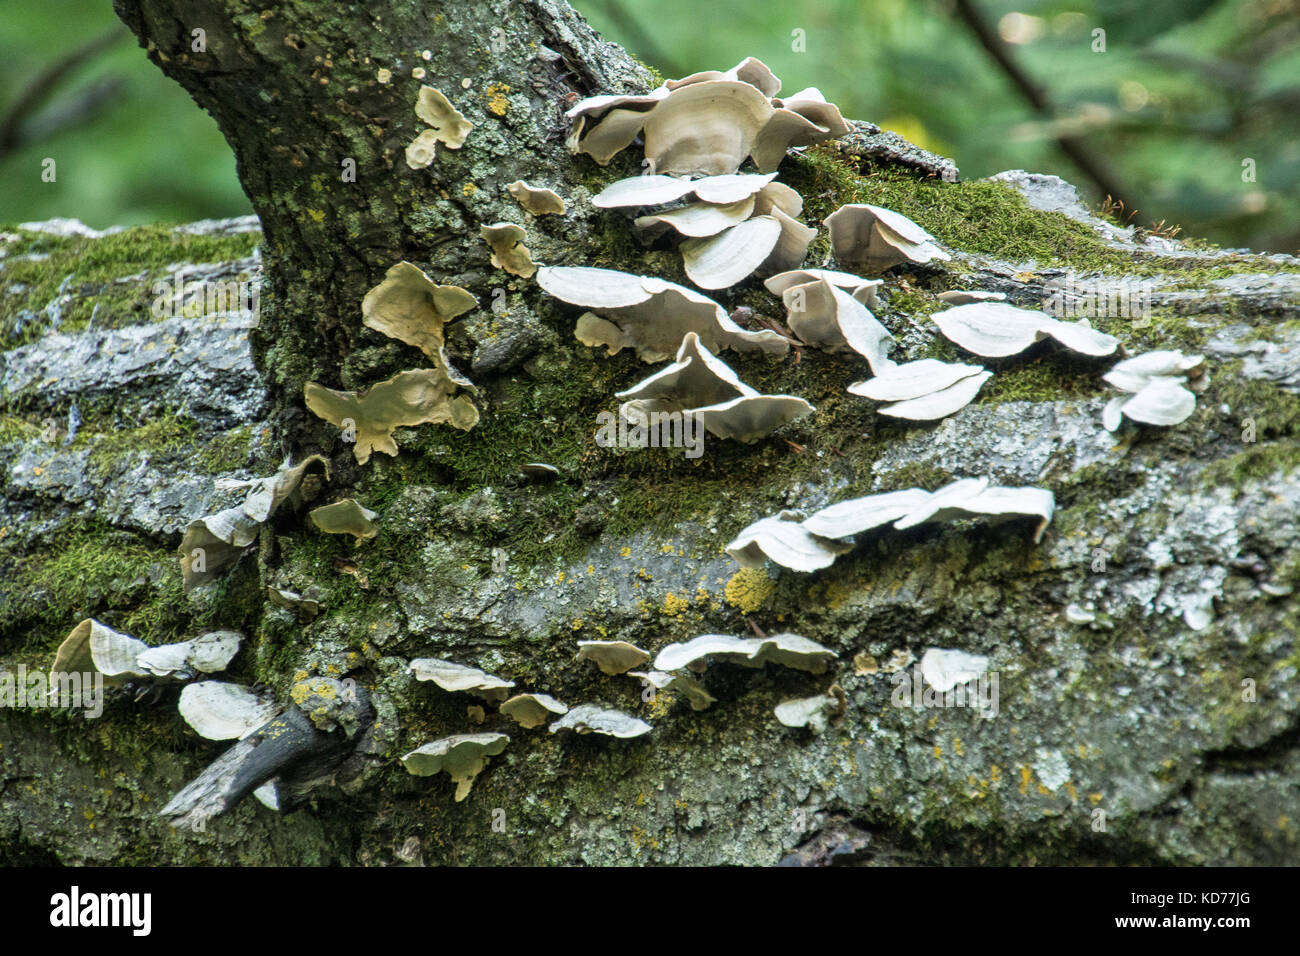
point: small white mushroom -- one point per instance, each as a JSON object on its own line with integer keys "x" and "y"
{"x": 537, "y": 200}
{"x": 346, "y": 516}
{"x": 877, "y": 239}
{"x": 750, "y": 70}
{"x": 825, "y": 316}
{"x": 969, "y": 497}
{"x": 811, "y": 712}
{"x": 688, "y": 687}
{"x": 657, "y": 190}
{"x": 420, "y": 152}
{"x": 612, "y": 657}
{"x": 506, "y": 240}
{"x": 415, "y": 397}
{"x": 650, "y": 314}
{"x": 751, "y": 417}
{"x": 461, "y": 756}
{"x": 721, "y": 261}
{"x": 788, "y": 650}
{"x": 706, "y": 128}
{"x": 913, "y": 380}
{"x": 696, "y": 378}
{"x": 698, "y": 219}
{"x": 864, "y": 290}
{"x": 205, "y": 654}
{"x": 939, "y": 404}
{"x": 593, "y": 719}
{"x": 784, "y": 540}
{"x": 221, "y": 711}
{"x": 532, "y": 710}
{"x": 455, "y": 678}
{"x": 92, "y": 646}
{"x": 847, "y": 518}
{"x": 1161, "y": 384}
{"x": 996, "y": 330}
{"x": 945, "y": 669}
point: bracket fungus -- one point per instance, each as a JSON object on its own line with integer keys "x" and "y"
{"x": 847, "y": 518}
{"x": 658, "y": 190}
{"x": 213, "y": 543}
{"x": 877, "y": 239}
{"x": 416, "y": 397}
{"x": 457, "y": 677}
{"x": 449, "y": 127}
{"x": 612, "y": 657}
{"x": 1160, "y": 387}
{"x": 945, "y": 669}
{"x": 775, "y": 242}
{"x": 996, "y": 330}
{"x": 346, "y": 516}
{"x": 788, "y": 650}
{"x": 924, "y": 390}
{"x": 537, "y": 200}
{"x": 222, "y": 711}
{"x": 648, "y": 314}
{"x": 410, "y": 307}
{"x": 687, "y": 687}
{"x": 823, "y": 315}
{"x": 508, "y": 252}
{"x": 461, "y": 756}
{"x": 751, "y": 417}
{"x": 532, "y": 710}
{"x": 94, "y": 647}
{"x": 864, "y": 290}
{"x": 594, "y": 719}
{"x": 814, "y": 713}
{"x": 786, "y": 541}
{"x": 706, "y": 124}
{"x": 974, "y": 497}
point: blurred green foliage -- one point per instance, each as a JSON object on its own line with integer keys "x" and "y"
{"x": 1184, "y": 92}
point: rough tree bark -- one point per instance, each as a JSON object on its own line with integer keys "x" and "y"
{"x": 1148, "y": 708}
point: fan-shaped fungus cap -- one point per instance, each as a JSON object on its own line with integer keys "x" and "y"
{"x": 221, "y": 711}
{"x": 924, "y": 390}
{"x": 1159, "y": 384}
{"x": 996, "y": 330}
{"x": 788, "y": 650}
{"x": 706, "y": 128}
{"x": 268, "y": 494}
{"x": 847, "y": 518}
{"x": 696, "y": 378}
{"x": 688, "y": 687}
{"x": 346, "y": 516}
{"x": 462, "y": 757}
{"x": 416, "y": 397}
{"x": 612, "y": 657}
{"x": 878, "y": 239}
{"x": 658, "y": 189}
{"x": 593, "y": 719}
{"x": 648, "y": 314}
{"x": 448, "y": 122}
{"x": 92, "y": 646}
{"x": 532, "y": 710}
{"x": 771, "y": 242}
{"x": 412, "y": 308}
{"x": 810, "y": 712}
{"x": 506, "y": 240}
{"x": 537, "y": 200}
{"x": 213, "y": 543}
{"x": 827, "y": 317}
{"x": 784, "y": 540}
{"x": 750, "y": 70}
{"x": 1136, "y": 373}
{"x": 698, "y": 219}
{"x": 457, "y": 677}
{"x": 206, "y": 654}
{"x": 864, "y": 290}
{"x": 420, "y": 152}
{"x": 945, "y": 669}
{"x": 971, "y": 497}
{"x": 751, "y": 417}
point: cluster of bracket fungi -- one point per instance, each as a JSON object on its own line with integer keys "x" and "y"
{"x": 728, "y": 225}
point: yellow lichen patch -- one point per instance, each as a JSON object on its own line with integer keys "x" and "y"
{"x": 1026, "y": 778}
{"x": 496, "y": 94}
{"x": 748, "y": 589}
{"x": 1094, "y": 798}
{"x": 837, "y": 594}
{"x": 1070, "y": 789}
{"x": 675, "y": 606}
{"x": 469, "y": 189}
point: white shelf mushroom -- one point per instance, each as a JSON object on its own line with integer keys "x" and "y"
{"x": 455, "y": 678}
{"x": 877, "y": 239}
{"x": 346, "y": 516}
{"x": 786, "y": 541}
{"x": 823, "y": 315}
{"x": 997, "y": 330}
{"x": 92, "y": 647}
{"x": 532, "y": 710}
{"x": 864, "y": 290}
{"x": 788, "y": 650}
{"x": 593, "y": 719}
{"x": 449, "y": 127}
{"x": 537, "y": 200}
{"x": 612, "y": 657}
{"x": 410, "y": 307}
{"x": 508, "y": 252}
{"x": 219, "y": 710}
{"x": 1161, "y": 388}
{"x": 648, "y": 314}
{"x": 687, "y": 687}
{"x": 924, "y": 390}
{"x": 658, "y": 190}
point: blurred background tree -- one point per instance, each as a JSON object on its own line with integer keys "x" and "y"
{"x": 1185, "y": 109}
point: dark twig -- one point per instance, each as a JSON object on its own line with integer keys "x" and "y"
{"x": 1092, "y": 165}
